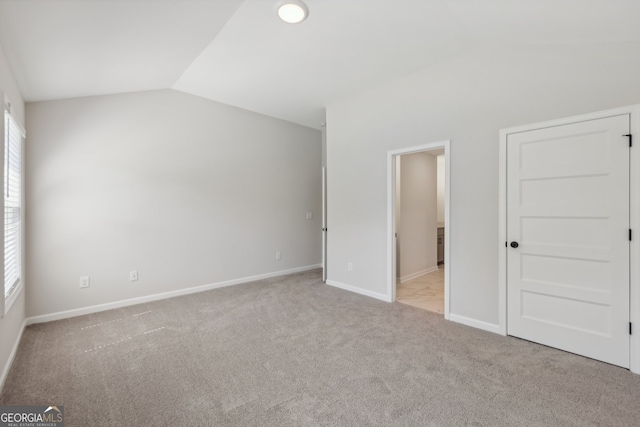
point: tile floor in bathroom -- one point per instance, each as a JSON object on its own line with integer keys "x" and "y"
{"x": 426, "y": 292}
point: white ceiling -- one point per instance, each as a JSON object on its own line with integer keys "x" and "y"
{"x": 238, "y": 52}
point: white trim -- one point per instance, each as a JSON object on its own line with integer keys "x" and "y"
{"x": 502, "y": 233}
{"x": 391, "y": 217}
{"x": 12, "y": 355}
{"x": 324, "y": 223}
{"x": 634, "y": 204}
{"x": 155, "y": 297}
{"x": 485, "y": 326}
{"x": 357, "y": 290}
{"x": 418, "y": 274}
{"x": 634, "y": 254}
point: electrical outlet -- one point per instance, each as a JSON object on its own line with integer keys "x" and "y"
{"x": 84, "y": 282}
{"x": 133, "y": 275}
{"x": 350, "y": 266}
{"x": 278, "y": 255}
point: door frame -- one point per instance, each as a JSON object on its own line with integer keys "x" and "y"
{"x": 324, "y": 224}
{"x": 634, "y": 217}
{"x": 391, "y": 216}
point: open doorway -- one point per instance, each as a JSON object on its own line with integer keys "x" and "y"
{"x": 419, "y": 226}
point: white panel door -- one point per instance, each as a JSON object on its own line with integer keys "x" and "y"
{"x": 568, "y": 215}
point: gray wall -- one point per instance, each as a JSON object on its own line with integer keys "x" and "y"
{"x": 417, "y": 228}
{"x": 187, "y": 191}
{"x": 466, "y": 99}
{"x": 11, "y": 324}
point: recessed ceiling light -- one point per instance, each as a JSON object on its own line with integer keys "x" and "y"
{"x": 292, "y": 11}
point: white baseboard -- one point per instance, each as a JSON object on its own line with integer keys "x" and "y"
{"x": 360, "y": 291}
{"x": 12, "y": 355}
{"x": 155, "y": 297}
{"x": 412, "y": 276}
{"x": 490, "y": 327}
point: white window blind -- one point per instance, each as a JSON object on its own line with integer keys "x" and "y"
{"x": 12, "y": 203}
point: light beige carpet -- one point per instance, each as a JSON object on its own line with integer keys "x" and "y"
{"x": 293, "y": 351}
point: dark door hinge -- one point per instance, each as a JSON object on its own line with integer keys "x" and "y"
{"x": 629, "y": 328}
{"x": 629, "y": 234}
{"x": 630, "y": 139}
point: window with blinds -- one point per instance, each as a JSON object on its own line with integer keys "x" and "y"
{"x": 12, "y": 204}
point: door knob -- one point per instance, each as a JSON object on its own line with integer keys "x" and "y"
{"x": 514, "y": 244}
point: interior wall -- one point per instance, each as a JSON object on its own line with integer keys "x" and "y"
{"x": 466, "y": 99}
{"x": 418, "y": 213}
{"x": 11, "y": 323}
{"x": 441, "y": 190}
{"x": 184, "y": 190}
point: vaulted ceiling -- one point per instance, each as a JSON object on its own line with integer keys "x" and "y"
{"x": 239, "y": 53}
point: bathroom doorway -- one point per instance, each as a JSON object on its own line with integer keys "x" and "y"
{"x": 420, "y": 227}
